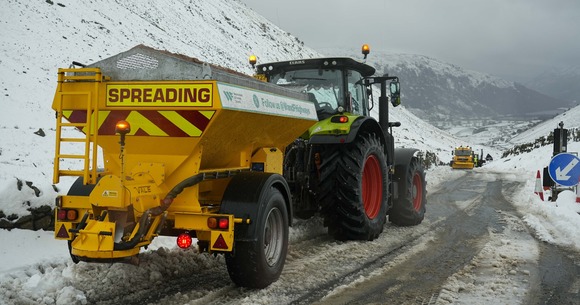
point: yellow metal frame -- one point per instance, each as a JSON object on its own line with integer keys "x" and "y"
{"x": 93, "y": 77}
{"x": 137, "y": 178}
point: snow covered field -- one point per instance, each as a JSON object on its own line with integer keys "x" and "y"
{"x": 38, "y": 38}
{"x": 36, "y": 269}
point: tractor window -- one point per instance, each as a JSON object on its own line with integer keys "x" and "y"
{"x": 357, "y": 94}
{"x": 323, "y": 86}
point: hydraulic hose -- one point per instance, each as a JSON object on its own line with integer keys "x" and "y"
{"x": 145, "y": 223}
{"x": 176, "y": 190}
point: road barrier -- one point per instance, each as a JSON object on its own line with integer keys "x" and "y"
{"x": 538, "y": 188}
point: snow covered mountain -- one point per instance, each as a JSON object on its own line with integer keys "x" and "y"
{"x": 559, "y": 83}
{"x": 39, "y": 37}
{"x": 438, "y": 91}
{"x": 570, "y": 119}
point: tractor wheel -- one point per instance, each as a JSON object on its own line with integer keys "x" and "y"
{"x": 353, "y": 188}
{"x": 409, "y": 208}
{"x": 258, "y": 263}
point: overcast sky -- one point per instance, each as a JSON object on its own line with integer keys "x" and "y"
{"x": 513, "y": 39}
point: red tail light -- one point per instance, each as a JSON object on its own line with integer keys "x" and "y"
{"x": 184, "y": 240}
{"x": 61, "y": 214}
{"x": 223, "y": 223}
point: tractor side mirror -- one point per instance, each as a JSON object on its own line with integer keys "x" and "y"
{"x": 395, "y": 93}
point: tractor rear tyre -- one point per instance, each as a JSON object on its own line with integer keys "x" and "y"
{"x": 353, "y": 188}
{"x": 258, "y": 263}
{"x": 409, "y": 208}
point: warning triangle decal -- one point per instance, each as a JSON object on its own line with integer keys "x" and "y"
{"x": 62, "y": 233}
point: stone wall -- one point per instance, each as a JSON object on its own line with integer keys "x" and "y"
{"x": 41, "y": 218}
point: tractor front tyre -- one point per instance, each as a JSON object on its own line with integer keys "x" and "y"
{"x": 353, "y": 189}
{"x": 258, "y": 263}
{"x": 409, "y": 208}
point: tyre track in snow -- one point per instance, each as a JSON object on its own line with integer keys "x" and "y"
{"x": 403, "y": 266}
{"x": 408, "y": 265}
{"x": 466, "y": 216}
{"x": 316, "y": 264}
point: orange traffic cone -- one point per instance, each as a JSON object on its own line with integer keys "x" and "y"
{"x": 538, "y": 189}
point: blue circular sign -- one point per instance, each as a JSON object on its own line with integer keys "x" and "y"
{"x": 564, "y": 169}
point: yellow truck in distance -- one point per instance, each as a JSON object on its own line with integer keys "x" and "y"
{"x": 463, "y": 158}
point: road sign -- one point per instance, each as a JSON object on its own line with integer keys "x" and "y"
{"x": 564, "y": 169}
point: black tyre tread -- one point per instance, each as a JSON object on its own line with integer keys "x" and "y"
{"x": 247, "y": 266}
{"x": 403, "y": 213}
{"x": 340, "y": 192}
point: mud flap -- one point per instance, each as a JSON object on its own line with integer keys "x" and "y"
{"x": 243, "y": 195}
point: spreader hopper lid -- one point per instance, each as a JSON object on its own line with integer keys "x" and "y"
{"x": 143, "y": 63}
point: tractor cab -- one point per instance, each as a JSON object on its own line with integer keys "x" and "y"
{"x": 334, "y": 85}
{"x": 340, "y": 89}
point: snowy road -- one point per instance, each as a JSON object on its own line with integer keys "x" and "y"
{"x": 434, "y": 263}
{"x": 472, "y": 248}
{"x": 471, "y": 218}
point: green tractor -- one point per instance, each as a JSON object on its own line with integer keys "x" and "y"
{"x": 345, "y": 168}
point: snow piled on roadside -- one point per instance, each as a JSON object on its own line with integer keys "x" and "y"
{"x": 554, "y": 222}
{"x": 502, "y": 270}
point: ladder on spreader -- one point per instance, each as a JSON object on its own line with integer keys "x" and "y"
{"x": 85, "y": 102}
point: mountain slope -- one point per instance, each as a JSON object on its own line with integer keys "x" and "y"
{"x": 438, "y": 91}
{"x": 570, "y": 118}
{"x": 441, "y": 90}
{"x": 39, "y": 37}
{"x": 559, "y": 83}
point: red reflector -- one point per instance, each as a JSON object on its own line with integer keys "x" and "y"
{"x": 183, "y": 240}
{"x": 61, "y": 214}
{"x": 223, "y": 223}
{"x": 220, "y": 243}
{"x": 343, "y": 119}
{"x": 71, "y": 214}
{"x": 62, "y": 233}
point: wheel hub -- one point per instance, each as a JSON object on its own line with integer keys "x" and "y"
{"x": 372, "y": 186}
